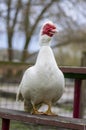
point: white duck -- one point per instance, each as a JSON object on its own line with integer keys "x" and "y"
{"x": 43, "y": 82}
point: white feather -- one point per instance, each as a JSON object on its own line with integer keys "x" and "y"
{"x": 43, "y": 82}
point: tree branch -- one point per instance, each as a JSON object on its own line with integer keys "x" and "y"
{"x": 10, "y": 29}
{"x": 34, "y": 27}
{"x": 16, "y": 14}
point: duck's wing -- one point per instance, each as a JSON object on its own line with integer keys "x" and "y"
{"x": 23, "y": 82}
{"x": 19, "y": 94}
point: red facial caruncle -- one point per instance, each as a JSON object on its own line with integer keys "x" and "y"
{"x": 49, "y": 29}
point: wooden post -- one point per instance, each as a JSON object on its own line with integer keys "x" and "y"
{"x": 77, "y": 93}
{"x": 5, "y": 124}
{"x": 83, "y": 88}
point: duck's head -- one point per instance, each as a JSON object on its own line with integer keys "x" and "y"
{"x": 47, "y": 31}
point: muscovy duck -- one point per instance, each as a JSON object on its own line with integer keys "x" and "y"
{"x": 44, "y": 81}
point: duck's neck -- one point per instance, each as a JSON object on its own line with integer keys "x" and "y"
{"x": 45, "y": 56}
{"x": 44, "y": 40}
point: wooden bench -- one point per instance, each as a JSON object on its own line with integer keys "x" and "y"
{"x": 57, "y": 121}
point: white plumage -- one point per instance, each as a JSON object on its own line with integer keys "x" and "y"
{"x": 43, "y": 82}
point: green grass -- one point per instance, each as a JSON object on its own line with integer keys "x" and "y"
{"x": 14, "y": 125}
{"x": 18, "y": 126}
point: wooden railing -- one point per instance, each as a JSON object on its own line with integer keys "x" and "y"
{"x": 64, "y": 122}
{"x": 77, "y": 73}
{"x": 56, "y": 121}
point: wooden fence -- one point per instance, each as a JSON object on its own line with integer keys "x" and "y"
{"x": 62, "y": 122}
{"x": 79, "y": 74}
{"x": 78, "y": 124}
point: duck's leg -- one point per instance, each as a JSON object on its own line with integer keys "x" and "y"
{"x": 49, "y": 112}
{"x": 27, "y": 106}
{"x": 35, "y": 111}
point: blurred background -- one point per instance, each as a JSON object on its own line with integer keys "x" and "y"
{"x": 20, "y": 23}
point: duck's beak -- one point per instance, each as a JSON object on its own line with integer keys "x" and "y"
{"x": 53, "y": 31}
{"x": 56, "y": 31}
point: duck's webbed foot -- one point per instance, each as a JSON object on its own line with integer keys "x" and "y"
{"x": 35, "y": 110}
{"x": 49, "y": 112}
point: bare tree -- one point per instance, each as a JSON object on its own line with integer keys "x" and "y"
{"x": 29, "y": 30}
{"x": 27, "y": 26}
{"x": 11, "y": 26}
{"x": 33, "y": 12}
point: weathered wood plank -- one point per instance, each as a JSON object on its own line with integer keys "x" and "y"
{"x": 63, "y": 122}
{"x": 74, "y": 72}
